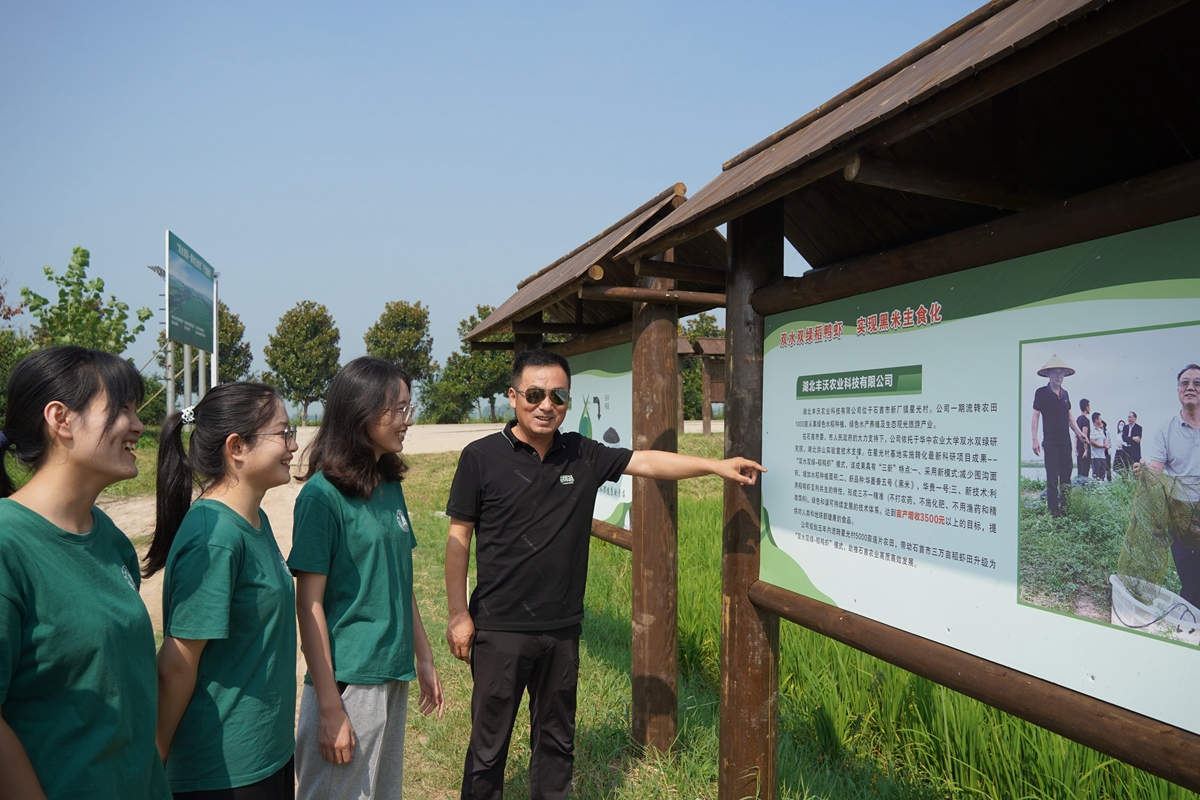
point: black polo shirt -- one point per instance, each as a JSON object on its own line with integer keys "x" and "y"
{"x": 1056, "y": 415}
{"x": 533, "y": 520}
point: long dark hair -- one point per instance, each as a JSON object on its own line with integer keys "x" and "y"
{"x": 74, "y": 376}
{"x": 226, "y": 409}
{"x": 359, "y": 395}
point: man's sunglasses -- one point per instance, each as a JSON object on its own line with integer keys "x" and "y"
{"x": 534, "y": 395}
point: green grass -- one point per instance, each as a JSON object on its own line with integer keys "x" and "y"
{"x": 851, "y": 726}
{"x": 147, "y": 461}
{"x": 1065, "y": 563}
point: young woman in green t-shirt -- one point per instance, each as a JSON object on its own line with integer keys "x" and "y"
{"x": 227, "y": 667}
{"x": 77, "y": 697}
{"x": 360, "y": 628}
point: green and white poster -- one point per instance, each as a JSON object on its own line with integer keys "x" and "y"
{"x": 601, "y": 408}
{"x": 190, "y": 295}
{"x": 932, "y": 468}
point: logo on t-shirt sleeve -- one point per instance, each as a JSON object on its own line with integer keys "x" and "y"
{"x": 402, "y": 520}
{"x": 128, "y": 578}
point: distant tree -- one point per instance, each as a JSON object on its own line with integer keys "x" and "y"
{"x": 484, "y": 373}
{"x": 401, "y": 335}
{"x": 81, "y": 315}
{"x": 233, "y": 358}
{"x": 303, "y": 354}
{"x": 7, "y": 312}
{"x": 702, "y": 325}
{"x": 447, "y": 397}
{"x": 14, "y": 343}
{"x": 154, "y": 404}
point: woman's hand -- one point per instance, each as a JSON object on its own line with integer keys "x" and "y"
{"x": 335, "y": 735}
{"x": 431, "y": 698}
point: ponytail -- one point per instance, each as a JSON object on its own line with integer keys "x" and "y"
{"x": 173, "y": 494}
{"x": 6, "y": 482}
{"x": 225, "y": 410}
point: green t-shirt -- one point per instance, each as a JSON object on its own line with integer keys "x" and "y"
{"x": 78, "y": 682}
{"x": 228, "y": 583}
{"x": 365, "y": 548}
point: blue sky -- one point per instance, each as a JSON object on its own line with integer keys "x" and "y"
{"x": 358, "y": 153}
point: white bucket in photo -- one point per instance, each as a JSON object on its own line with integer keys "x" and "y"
{"x": 1168, "y": 615}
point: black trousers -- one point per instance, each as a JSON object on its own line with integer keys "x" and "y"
{"x": 1085, "y": 465}
{"x": 280, "y": 786}
{"x": 1187, "y": 564}
{"x": 1058, "y": 476}
{"x": 504, "y": 665}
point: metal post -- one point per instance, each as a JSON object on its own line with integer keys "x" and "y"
{"x": 187, "y": 375}
{"x": 216, "y": 343}
{"x": 170, "y": 389}
{"x": 201, "y": 377}
{"x": 654, "y": 520}
{"x": 749, "y": 701}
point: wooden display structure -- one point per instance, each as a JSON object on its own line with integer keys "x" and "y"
{"x": 876, "y": 189}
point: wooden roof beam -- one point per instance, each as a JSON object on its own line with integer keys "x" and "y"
{"x": 696, "y": 273}
{"x": 636, "y": 294}
{"x": 1165, "y": 196}
{"x": 915, "y": 179}
{"x": 1097, "y": 28}
{"x": 574, "y": 328}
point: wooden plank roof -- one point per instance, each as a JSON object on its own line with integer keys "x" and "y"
{"x": 552, "y": 293}
{"x": 564, "y": 275}
{"x": 1011, "y": 29}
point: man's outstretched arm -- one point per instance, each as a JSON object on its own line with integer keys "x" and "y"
{"x": 664, "y": 466}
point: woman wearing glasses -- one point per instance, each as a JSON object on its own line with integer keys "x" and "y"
{"x": 227, "y": 667}
{"x": 359, "y": 624}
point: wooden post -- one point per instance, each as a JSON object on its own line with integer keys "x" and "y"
{"x": 528, "y": 341}
{"x": 749, "y": 637}
{"x": 705, "y": 395}
{"x": 678, "y": 392}
{"x": 654, "y": 519}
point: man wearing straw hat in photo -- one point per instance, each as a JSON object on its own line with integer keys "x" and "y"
{"x": 1052, "y": 402}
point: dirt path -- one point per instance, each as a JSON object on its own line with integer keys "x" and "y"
{"x": 135, "y": 515}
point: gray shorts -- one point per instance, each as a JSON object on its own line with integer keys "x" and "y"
{"x": 378, "y": 713}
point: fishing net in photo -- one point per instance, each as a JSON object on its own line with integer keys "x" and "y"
{"x": 1165, "y": 508}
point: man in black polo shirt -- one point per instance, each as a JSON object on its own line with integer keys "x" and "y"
{"x": 528, "y": 493}
{"x": 1054, "y": 404}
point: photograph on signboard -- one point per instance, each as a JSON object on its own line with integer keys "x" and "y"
{"x": 601, "y": 408}
{"x": 904, "y": 485}
{"x": 1097, "y": 538}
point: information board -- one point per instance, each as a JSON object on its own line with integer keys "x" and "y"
{"x": 601, "y": 408}
{"x": 190, "y": 295}
{"x": 899, "y": 431}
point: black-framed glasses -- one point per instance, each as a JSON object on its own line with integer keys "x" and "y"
{"x": 534, "y": 395}
{"x": 288, "y": 434}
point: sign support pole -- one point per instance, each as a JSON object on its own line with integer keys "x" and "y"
{"x": 654, "y": 522}
{"x": 749, "y": 701}
{"x": 216, "y": 331}
{"x": 187, "y": 375}
{"x": 170, "y": 390}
